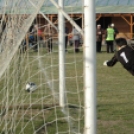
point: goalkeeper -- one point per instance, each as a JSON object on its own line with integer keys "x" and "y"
{"x": 124, "y": 55}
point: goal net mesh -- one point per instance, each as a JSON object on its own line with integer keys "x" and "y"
{"x": 28, "y": 55}
{"x": 29, "y": 59}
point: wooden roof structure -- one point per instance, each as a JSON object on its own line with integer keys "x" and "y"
{"x": 104, "y": 8}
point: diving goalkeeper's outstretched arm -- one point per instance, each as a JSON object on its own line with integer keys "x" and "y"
{"x": 111, "y": 62}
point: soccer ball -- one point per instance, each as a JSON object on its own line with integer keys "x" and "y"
{"x": 30, "y": 87}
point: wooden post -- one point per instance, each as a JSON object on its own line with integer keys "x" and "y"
{"x": 131, "y": 26}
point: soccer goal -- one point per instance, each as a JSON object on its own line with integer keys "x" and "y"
{"x": 43, "y": 87}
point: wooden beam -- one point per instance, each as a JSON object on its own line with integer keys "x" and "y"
{"x": 112, "y": 15}
{"x": 98, "y": 17}
{"x": 131, "y": 26}
{"x": 128, "y": 22}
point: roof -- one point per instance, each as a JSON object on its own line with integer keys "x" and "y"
{"x": 70, "y": 6}
{"x": 114, "y": 6}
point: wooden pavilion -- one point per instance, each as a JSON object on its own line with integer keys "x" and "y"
{"x": 119, "y": 12}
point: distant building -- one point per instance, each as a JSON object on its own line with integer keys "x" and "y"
{"x": 119, "y": 12}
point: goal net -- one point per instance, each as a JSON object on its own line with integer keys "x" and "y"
{"x": 29, "y": 71}
{"x": 37, "y": 73}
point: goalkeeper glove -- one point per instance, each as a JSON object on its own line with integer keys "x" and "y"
{"x": 105, "y": 63}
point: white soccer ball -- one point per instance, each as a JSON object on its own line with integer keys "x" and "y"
{"x": 30, "y": 87}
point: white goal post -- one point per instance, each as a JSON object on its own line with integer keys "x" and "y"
{"x": 89, "y": 62}
{"x": 90, "y": 67}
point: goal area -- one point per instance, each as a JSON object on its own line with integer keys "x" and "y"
{"x": 42, "y": 83}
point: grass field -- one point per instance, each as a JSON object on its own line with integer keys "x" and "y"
{"x": 115, "y": 98}
{"x": 115, "y": 108}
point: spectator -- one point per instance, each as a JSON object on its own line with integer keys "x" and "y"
{"x": 3, "y": 23}
{"x": 39, "y": 33}
{"x": 110, "y": 39}
{"x": 48, "y": 35}
{"x": 30, "y": 39}
{"x": 70, "y": 38}
{"x": 66, "y": 38}
{"x": 98, "y": 38}
{"x": 76, "y": 39}
{"x": 115, "y": 30}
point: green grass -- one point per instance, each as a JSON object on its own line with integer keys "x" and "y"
{"x": 115, "y": 99}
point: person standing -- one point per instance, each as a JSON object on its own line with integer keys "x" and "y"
{"x": 76, "y": 39}
{"x": 115, "y": 30}
{"x": 3, "y": 23}
{"x": 66, "y": 37}
{"x": 48, "y": 32}
{"x": 98, "y": 38}
{"x": 38, "y": 35}
{"x": 110, "y": 39}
